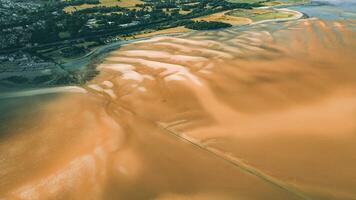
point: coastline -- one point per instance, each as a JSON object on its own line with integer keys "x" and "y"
{"x": 297, "y": 15}
{"x": 89, "y": 62}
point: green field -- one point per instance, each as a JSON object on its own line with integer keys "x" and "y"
{"x": 245, "y": 1}
{"x": 106, "y": 3}
{"x": 260, "y": 14}
{"x": 271, "y": 2}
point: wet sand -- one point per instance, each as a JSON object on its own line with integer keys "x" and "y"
{"x": 266, "y": 113}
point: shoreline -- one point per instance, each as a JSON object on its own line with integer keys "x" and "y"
{"x": 90, "y": 61}
{"x": 297, "y": 15}
{"x": 43, "y": 91}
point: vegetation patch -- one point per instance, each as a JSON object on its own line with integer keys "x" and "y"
{"x": 270, "y": 2}
{"x": 246, "y": 1}
{"x": 260, "y": 14}
{"x": 223, "y": 17}
{"x": 204, "y": 25}
{"x": 42, "y": 79}
{"x": 105, "y": 3}
{"x": 179, "y": 29}
{"x": 17, "y": 79}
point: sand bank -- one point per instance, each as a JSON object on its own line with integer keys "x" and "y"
{"x": 277, "y": 101}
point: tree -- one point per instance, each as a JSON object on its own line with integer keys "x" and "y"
{"x": 204, "y": 25}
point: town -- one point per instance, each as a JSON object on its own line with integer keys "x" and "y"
{"x": 40, "y": 36}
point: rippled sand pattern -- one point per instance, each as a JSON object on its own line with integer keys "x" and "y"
{"x": 263, "y": 113}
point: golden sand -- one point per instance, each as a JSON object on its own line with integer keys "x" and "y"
{"x": 267, "y": 113}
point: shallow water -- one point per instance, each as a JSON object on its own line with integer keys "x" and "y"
{"x": 329, "y": 9}
{"x": 259, "y": 112}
